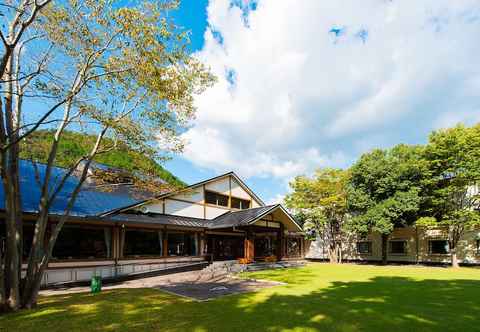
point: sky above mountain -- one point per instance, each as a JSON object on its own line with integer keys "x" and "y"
{"x": 309, "y": 84}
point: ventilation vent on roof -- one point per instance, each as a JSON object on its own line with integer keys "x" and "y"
{"x": 144, "y": 209}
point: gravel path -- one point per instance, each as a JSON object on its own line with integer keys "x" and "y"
{"x": 196, "y": 285}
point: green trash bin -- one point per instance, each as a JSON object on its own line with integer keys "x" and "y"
{"x": 96, "y": 284}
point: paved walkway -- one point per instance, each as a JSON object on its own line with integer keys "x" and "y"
{"x": 195, "y": 285}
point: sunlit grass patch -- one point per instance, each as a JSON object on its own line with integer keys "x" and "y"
{"x": 318, "y": 297}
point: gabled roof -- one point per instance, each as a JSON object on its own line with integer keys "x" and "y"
{"x": 175, "y": 192}
{"x": 240, "y": 218}
{"x": 227, "y": 220}
{"x": 248, "y": 217}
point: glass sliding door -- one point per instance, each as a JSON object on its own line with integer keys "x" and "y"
{"x": 142, "y": 243}
{"x": 182, "y": 244}
{"x": 83, "y": 242}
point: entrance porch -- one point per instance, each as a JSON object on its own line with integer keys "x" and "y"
{"x": 270, "y": 234}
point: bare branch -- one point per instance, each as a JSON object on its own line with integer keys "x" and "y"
{"x": 74, "y": 195}
{"x": 66, "y": 176}
{"x": 35, "y": 127}
{"x": 4, "y": 41}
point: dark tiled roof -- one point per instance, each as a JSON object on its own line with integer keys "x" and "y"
{"x": 91, "y": 201}
{"x": 226, "y": 220}
{"x": 160, "y": 219}
{"x": 240, "y": 218}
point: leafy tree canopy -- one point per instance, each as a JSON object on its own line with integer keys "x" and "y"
{"x": 453, "y": 159}
{"x": 385, "y": 188}
{"x": 320, "y": 202}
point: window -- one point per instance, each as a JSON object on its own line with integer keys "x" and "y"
{"x": 138, "y": 243}
{"x": 238, "y": 203}
{"x": 398, "y": 247}
{"x": 76, "y": 242}
{"x": 182, "y": 244}
{"x": 28, "y": 230}
{"x": 438, "y": 247}
{"x": 364, "y": 247}
{"x": 216, "y": 198}
{"x": 267, "y": 246}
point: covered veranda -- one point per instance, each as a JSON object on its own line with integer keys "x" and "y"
{"x": 265, "y": 233}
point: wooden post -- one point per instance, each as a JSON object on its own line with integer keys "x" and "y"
{"x": 165, "y": 243}
{"x": 281, "y": 243}
{"x": 249, "y": 247}
{"x": 202, "y": 243}
{"x": 213, "y": 249}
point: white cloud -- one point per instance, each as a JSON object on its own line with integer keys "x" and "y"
{"x": 314, "y": 83}
{"x": 450, "y": 119}
{"x": 277, "y": 199}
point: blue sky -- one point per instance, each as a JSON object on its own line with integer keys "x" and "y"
{"x": 192, "y": 15}
{"x": 314, "y": 83}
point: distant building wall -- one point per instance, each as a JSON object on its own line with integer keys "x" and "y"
{"x": 420, "y": 245}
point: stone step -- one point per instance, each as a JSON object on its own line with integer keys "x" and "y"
{"x": 227, "y": 267}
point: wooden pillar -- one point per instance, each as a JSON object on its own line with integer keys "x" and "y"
{"x": 281, "y": 243}
{"x": 165, "y": 242}
{"x": 213, "y": 249}
{"x": 202, "y": 244}
{"x": 249, "y": 247}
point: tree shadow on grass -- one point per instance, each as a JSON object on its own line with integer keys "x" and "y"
{"x": 377, "y": 304}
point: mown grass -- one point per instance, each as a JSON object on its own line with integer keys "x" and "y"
{"x": 319, "y": 297}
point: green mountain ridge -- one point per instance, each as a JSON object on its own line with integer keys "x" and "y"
{"x": 74, "y": 145}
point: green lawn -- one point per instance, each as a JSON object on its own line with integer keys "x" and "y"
{"x": 319, "y": 297}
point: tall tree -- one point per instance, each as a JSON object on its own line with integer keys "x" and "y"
{"x": 98, "y": 67}
{"x": 453, "y": 157}
{"x": 18, "y": 18}
{"x": 385, "y": 190}
{"x": 321, "y": 200}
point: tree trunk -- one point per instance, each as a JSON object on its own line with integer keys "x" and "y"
{"x": 33, "y": 281}
{"x": 384, "y": 248}
{"x": 453, "y": 253}
{"x": 9, "y": 173}
{"x": 340, "y": 254}
{"x": 12, "y": 267}
{"x": 332, "y": 255}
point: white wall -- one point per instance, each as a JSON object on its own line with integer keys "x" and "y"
{"x": 190, "y": 203}
{"x": 238, "y": 191}
{"x": 192, "y": 195}
{"x": 213, "y": 212}
{"x": 180, "y": 208}
{"x": 220, "y": 186}
{"x": 156, "y": 207}
{"x": 75, "y": 272}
